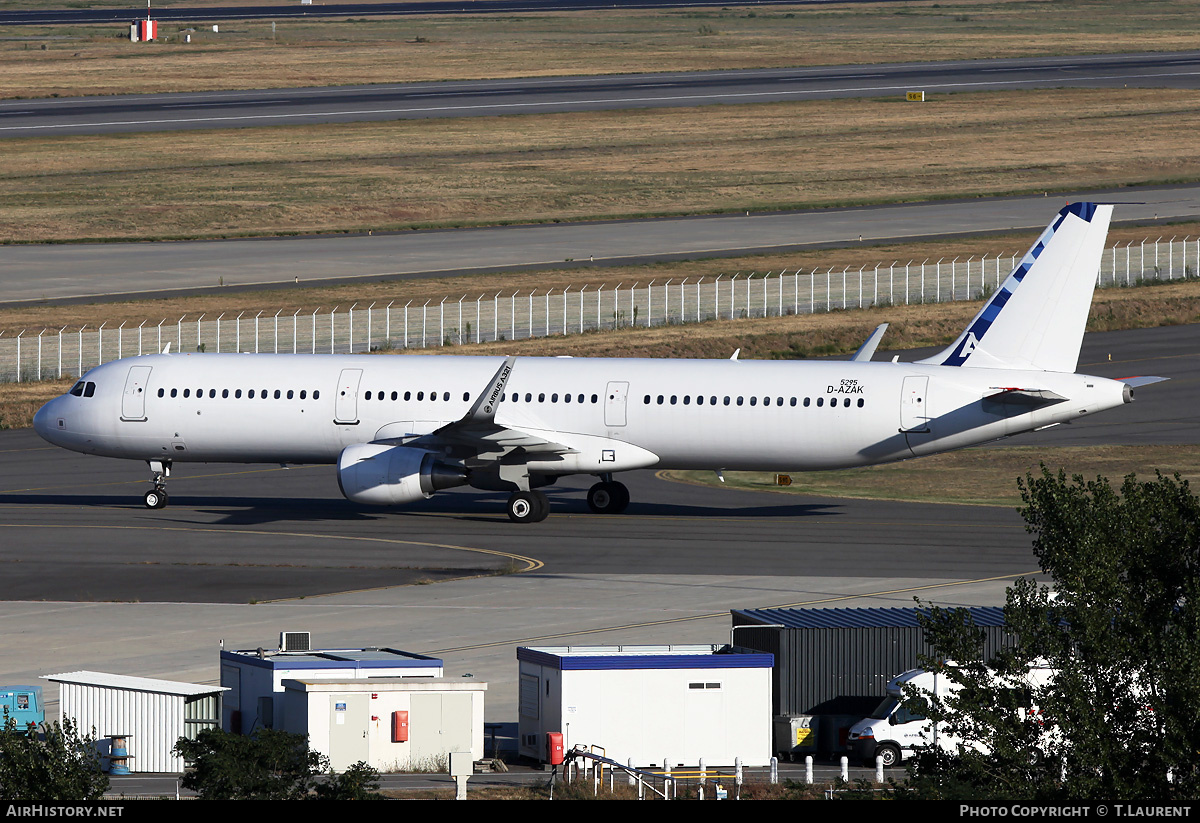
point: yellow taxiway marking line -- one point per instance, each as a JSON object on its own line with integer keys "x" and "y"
{"x": 722, "y": 614}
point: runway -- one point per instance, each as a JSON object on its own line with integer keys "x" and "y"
{"x": 490, "y": 98}
{"x": 90, "y": 271}
{"x": 94, "y": 580}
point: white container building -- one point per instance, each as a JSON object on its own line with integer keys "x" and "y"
{"x": 655, "y": 705}
{"x": 393, "y": 724}
{"x": 255, "y": 677}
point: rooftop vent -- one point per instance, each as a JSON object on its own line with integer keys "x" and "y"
{"x": 295, "y": 641}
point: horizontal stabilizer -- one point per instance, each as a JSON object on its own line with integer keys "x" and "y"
{"x": 1028, "y": 398}
{"x": 1141, "y": 380}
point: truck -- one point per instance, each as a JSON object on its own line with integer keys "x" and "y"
{"x": 893, "y": 732}
{"x": 23, "y": 705}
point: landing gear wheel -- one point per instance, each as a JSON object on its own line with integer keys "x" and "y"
{"x": 155, "y": 499}
{"x": 528, "y": 507}
{"x": 608, "y": 498}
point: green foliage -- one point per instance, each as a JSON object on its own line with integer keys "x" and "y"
{"x": 50, "y": 762}
{"x": 359, "y": 782}
{"x": 268, "y": 765}
{"x": 1122, "y": 630}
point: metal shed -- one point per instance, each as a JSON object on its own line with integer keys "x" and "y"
{"x": 833, "y": 665}
{"x": 151, "y": 715}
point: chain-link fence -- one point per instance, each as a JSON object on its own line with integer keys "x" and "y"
{"x": 519, "y": 315}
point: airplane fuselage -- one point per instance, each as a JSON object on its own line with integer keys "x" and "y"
{"x": 679, "y": 414}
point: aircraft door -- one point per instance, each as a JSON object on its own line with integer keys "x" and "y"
{"x": 914, "y": 405}
{"x": 345, "y": 403}
{"x": 133, "y": 401}
{"x": 614, "y": 403}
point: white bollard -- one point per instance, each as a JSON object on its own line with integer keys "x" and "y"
{"x": 808, "y": 770}
{"x": 878, "y": 769}
{"x": 845, "y": 769}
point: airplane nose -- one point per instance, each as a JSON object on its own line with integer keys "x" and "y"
{"x": 45, "y": 421}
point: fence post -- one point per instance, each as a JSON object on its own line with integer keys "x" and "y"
{"x": 60, "y": 332}
{"x": 369, "y": 318}
{"x": 953, "y": 268}
{"x": 314, "y": 329}
{"x": 219, "y": 316}
{"x": 39, "y": 357}
{"x": 99, "y": 347}
{"x": 332, "y": 331}
{"x": 350, "y": 347}
{"x": 581, "y": 291}
{"x": 442, "y": 322}
{"x": 237, "y": 338}
{"x": 19, "y": 356}
{"x": 938, "y": 274}
{"x": 460, "y": 323}
{"x": 424, "y": 322}
{"x": 198, "y": 331}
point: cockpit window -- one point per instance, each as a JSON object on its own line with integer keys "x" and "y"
{"x": 89, "y": 389}
{"x": 77, "y": 389}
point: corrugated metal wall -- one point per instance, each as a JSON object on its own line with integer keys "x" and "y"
{"x": 835, "y": 670}
{"x": 153, "y": 722}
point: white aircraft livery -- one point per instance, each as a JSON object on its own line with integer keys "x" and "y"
{"x": 402, "y": 427}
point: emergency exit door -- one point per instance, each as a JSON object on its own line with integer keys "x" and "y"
{"x": 614, "y": 403}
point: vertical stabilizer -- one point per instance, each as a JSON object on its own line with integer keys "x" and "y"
{"x": 1035, "y": 320}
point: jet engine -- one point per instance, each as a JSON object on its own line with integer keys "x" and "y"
{"x": 383, "y": 475}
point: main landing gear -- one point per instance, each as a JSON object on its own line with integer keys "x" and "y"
{"x": 528, "y": 507}
{"x": 608, "y": 496}
{"x": 157, "y": 498}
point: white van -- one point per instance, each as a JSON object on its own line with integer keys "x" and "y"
{"x": 892, "y": 732}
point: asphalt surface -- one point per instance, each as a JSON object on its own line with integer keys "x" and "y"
{"x": 94, "y": 580}
{"x": 94, "y": 271}
{"x": 485, "y": 98}
{"x": 25, "y": 17}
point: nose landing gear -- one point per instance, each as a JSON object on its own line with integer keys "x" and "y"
{"x": 157, "y": 498}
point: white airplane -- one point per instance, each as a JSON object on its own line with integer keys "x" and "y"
{"x": 400, "y": 428}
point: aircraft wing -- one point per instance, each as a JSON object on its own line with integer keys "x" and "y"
{"x": 477, "y": 434}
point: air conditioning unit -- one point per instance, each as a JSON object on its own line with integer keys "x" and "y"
{"x": 295, "y": 641}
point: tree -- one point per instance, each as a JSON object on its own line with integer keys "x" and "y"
{"x": 268, "y": 765}
{"x": 50, "y": 762}
{"x": 1120, "y": 627}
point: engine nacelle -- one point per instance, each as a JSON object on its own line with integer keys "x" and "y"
{"x": 383, "y": 475}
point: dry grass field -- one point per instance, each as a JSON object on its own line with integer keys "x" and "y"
{"x": 470, "y": 171}
{"x": 40, "y": 62}
{"x": 983, "y": 476}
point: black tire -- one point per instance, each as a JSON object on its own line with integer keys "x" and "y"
{"x": 889, "y": 754}
{"x": 528, "y": 507}
{"x": 608, "y": 498}
{"x": 155, "y": 499}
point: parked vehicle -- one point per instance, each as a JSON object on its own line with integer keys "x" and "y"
{"x": 893, "y": 731}
{"x": 23, "y": 704}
